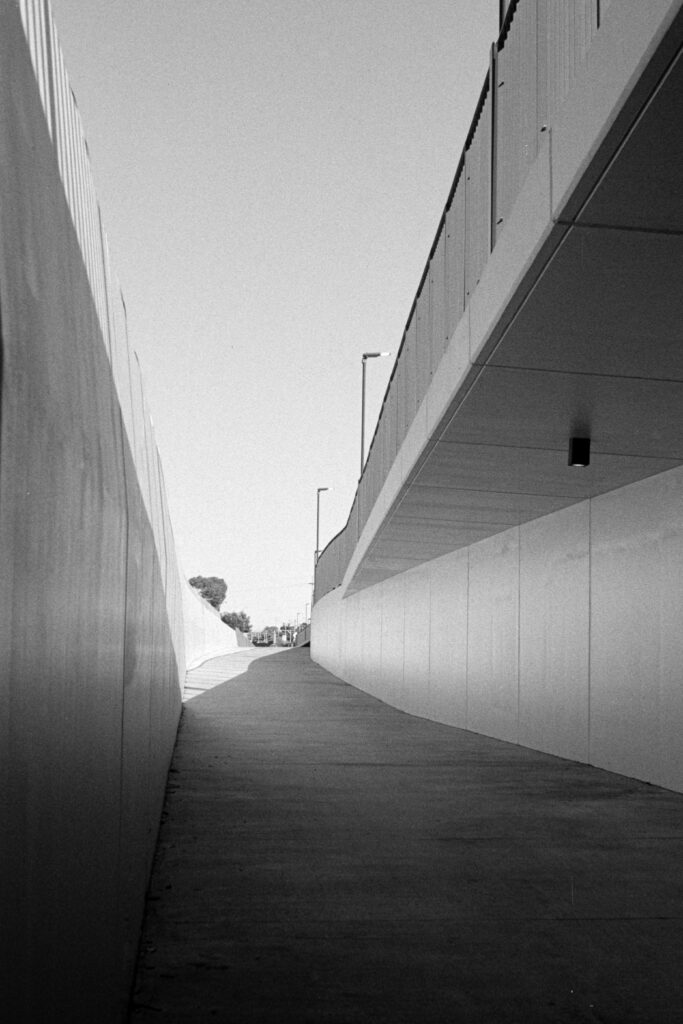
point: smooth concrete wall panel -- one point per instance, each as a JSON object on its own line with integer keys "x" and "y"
{"x": 553, "y": 633}
{"x": 636, "y": 631}
{"x": 90, "y": 673}
{"x": 63, "y": 531}
{"x": 150, "y": 715}
{"x": 393, "y": 639}
{"x": 416, "y": 647}
{"x": 326, "y": 631}
{"x": 370, "y": 611}
{"x": 352, "y": 643}
{"x": 492, "y": 670}
{"x": 140, "y": 448}
{"x": 448, "y": 580}
{"x": 206, "y": 635}
{"x": 563, "y": 635}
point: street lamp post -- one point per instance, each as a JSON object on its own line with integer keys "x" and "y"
{"x": 317, "y": 523}
{"x": 366, "y": 356}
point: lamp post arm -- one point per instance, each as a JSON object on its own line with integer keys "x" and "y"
{"x": 317, "y": 529}
{"x": 317, "y": 523}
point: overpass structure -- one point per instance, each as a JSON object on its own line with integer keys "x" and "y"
{"x": 97, "y": 623}
{"x": 481, "y": 580}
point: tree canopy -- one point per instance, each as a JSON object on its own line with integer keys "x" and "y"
{"x": 212, "y": 588}
{"x": 237, "y": 620}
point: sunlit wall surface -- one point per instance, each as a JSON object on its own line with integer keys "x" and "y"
{"x": 482, "y": 580}
{"x": 92, "y": 629}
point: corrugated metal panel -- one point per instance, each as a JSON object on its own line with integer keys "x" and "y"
{"x": 437, "y": 300}
{"x": 167, "y": 534}
{"x": 327, "y": 569}
{"x": 154, "y": 509}
{"x": 401, "y": 408}
{"x": 378, "y": 440}
{"x": 392, "y": 423}
{"x": 478, "y": 199}
{"x": 455, "y": 258}
{"x": 569, "y": 32}
{"x": 410, "y": 350}
{"x": 424, "y": 348}
{"x": 384, "y": 435}
{"x": 121, "y": 364}
{"x": 334, "y": 573}
{"x": 377, "y": 474}
{"x": 33, "y": 19}
{"x": 106, "y": 282}
{"x": 353, "y": 533}
{"x": 517, "y": 126}
{"x": 139, "y": 432}
{"x": 63, "y": 138}
{"x": 162, "y": 543}
{"x": 369, "y": 485}
{"x": 346, "y": 546}
{"x": 66, "y": 130}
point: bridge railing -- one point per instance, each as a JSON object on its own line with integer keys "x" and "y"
{"x": 540, "y": 50}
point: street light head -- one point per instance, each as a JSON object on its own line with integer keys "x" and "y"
{"x": 375, "y": 355}
{"x": 324, "y": 489}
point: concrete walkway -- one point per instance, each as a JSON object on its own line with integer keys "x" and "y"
{"x": 325, "y": 858}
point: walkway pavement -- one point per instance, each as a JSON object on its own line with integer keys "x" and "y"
{"x": 326, "y": 859}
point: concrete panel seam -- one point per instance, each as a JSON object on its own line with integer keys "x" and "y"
{"x": 123, "y": 645}
{"x": 590, "y": 629}
{"x": 580, "y": 225}
{"x": 467, "y": 642}
{"x": 550, "y": 178}
{"x": 429, "y": 633}
{"x": 52, "y": 120}
{"x": 519, "y": 624}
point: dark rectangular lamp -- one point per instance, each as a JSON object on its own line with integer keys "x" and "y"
{"x": 579, "y": 451}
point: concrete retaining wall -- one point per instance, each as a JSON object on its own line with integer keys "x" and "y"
{"x": 206, "y": 635}
{"x": 562, "y": 634}
{"x": 91, "y": 624}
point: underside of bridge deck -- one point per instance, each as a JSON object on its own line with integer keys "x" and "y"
{"x": 587, "y": 344}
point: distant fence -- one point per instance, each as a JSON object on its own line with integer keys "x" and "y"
{"x": 540, "y": 50}
{"x": 303, "y": 635}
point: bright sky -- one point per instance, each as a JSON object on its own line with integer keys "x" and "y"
{"x": 271, "y": 175}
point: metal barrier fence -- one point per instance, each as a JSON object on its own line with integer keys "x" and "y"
{"x": 303, "y": 635}
{"x": 71, "y": 148}
{"x": 539, "y": 52}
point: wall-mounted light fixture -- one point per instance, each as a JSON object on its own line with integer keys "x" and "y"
{"x": 579, "y": 451}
